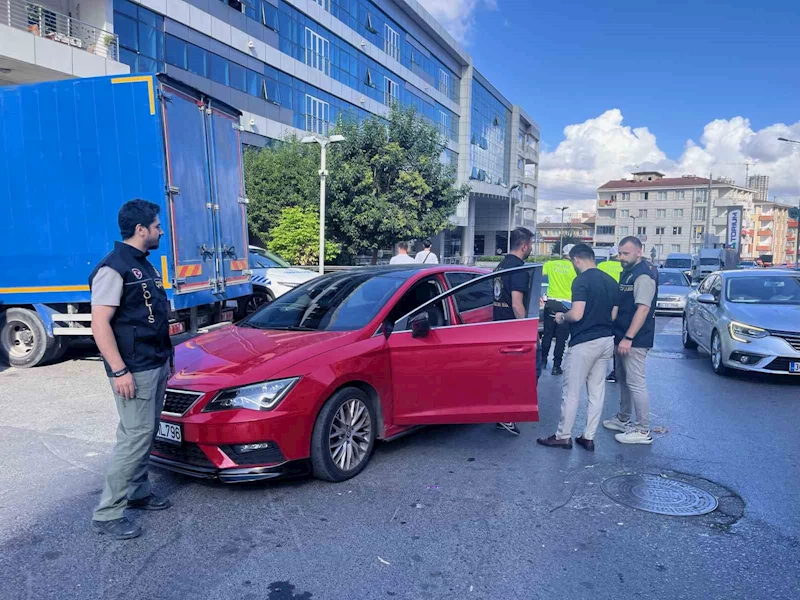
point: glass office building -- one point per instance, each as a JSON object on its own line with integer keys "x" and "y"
{"x": 296, "y": 66}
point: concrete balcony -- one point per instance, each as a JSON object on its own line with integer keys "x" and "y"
{"x": 39, "y": 43}
{"x": 530, "y": 154}
{"x": 604, "y": 238}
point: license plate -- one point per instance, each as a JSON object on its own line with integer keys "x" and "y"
{"x": 794, "y": 367}
{"x": 227, "y": 315}
{"x": 203, "y": 320}
{"x": 170, "y": 433}
{"x": 667, "y": 305}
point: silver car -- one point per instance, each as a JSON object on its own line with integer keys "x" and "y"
{"x": 673, "y": 289}
{"x": 747, "y": 320}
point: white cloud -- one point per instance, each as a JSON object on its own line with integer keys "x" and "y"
{"x": 457, "y": 16}
{"x": 601, "y": 149}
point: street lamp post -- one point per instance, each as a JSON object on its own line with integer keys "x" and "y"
{"x": 561, "y": 231}
{"x": 797, "y": 236}
{"x": 510, "y": 204}
{"x": 323, "y": 173}
{"x": 633, "y": 233}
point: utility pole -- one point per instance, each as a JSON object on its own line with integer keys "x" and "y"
{"x": 797, "y": 235}
{"x": 561, "y": 231}
{"x": 707, "y": 241}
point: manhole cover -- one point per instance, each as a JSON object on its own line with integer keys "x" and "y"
{"x": 660, "y": 495}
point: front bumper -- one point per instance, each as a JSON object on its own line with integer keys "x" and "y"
{"x": 775, "y": 353}
{"x": 297, "y": 468}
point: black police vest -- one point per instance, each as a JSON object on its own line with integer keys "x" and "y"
{"x": 627, "y": 307}
{"x": 141, "y": 322}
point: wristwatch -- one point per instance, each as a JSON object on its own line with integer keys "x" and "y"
{"x": 120, "y": 373}
{"x": 629, "y": 338}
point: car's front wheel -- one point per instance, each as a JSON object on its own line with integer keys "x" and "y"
{"x": 716, "y": 354}
{"x": 344, "y": 436}
{"x": 252, "y": 303}
{"x": 688, "y": 342}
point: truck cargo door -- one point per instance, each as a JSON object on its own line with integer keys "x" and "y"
{"x": 191, "y": 206}
{"x": 230, "y": 209}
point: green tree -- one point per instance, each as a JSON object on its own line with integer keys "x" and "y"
{"x": 296, "y": 237}
{"x": 277, "y": 178}
{"x": 568, "y": 239}
{"x": 387, "y": 182}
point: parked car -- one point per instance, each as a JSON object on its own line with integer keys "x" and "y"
{"x": 747, "y": 320}
{"x": 747, "y": 264}
{"x": 673, "y": 288}
{"x": 272, "y": 277}
{"x": 311, "y": 381}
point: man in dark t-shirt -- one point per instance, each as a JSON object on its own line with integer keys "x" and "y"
{"x": 591, "y": 347}
{"x": 512, "y": 290}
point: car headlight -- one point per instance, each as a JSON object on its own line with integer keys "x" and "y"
{"x": 744, "y": 333}
{"x": 259, "y": 396}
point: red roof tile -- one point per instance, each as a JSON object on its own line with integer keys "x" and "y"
{"x": 664, "y": 182}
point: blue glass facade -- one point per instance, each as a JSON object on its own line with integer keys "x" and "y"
{"x": 490, "y": 142}
{"x": 141, "y": 37}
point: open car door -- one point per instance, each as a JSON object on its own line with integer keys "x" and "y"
{"x": 467, "y": 371}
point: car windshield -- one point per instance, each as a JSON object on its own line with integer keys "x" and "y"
{"x": 261, "y": 259}
{"x": 709, "y": 261}
{"x": 678, "y": 263}
{"x": 340, "y": 302}
{"x": 672, "y": 278}
{"x": 772, "y": 289}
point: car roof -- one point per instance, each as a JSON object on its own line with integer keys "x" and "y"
{"x": 755, "y": 272}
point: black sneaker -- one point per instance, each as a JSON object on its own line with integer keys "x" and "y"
{"x": 509, "y": 427}
{"x": 151, "y": 502}
{"x": 612, "y": 377}
{"x": 119, "y": 529}
{"x": 557, "y": 371}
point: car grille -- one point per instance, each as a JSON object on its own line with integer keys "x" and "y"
{"x": 780, "y": 364}
{"x": 186, "y": 453}
{"x": 177, "y": 402}
{"x": 792, "y": 338}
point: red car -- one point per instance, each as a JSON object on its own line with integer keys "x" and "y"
{"x": 311, "y": 381}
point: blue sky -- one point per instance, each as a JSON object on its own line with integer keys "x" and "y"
{"x": 684, "y": 87}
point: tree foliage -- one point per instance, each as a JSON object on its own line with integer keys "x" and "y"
{"x": 278, "y": 178}
{"x": 567, "y": 239}
{"x": 387, "y": 182}
{"x": 295, "y": 237}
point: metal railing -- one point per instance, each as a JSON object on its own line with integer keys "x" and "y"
{"x": 45, "y": 22}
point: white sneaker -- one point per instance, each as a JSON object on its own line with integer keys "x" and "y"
{"x": 616, "y": 425}
{"x": 634, "y": 436}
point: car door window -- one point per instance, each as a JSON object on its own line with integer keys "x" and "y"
{"x": 705, "y": 287}
{"x": 422, "y": 291}
{"x": 716, "y": 288}
{"x": 472, "y": 299}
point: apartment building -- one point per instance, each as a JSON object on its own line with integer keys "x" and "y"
{"x": 772, "y": 234}
{"x": 549, "y": 233}
{"x": 294, "y": 67}
{"x": 669, "y": 214}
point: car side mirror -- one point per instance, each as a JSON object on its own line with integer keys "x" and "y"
{"x": 420, "y": 325}
{"x": 695, "y": 284}
{"x": 707, "y": 299}
{"x": 388, "y": 327}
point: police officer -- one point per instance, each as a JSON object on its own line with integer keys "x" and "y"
{"x": 560, "y": 275}
{"x": 130, "y": 323}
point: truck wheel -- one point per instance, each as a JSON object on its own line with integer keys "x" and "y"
{"x": 250, "y": 304}
{"x": 23, "y": 340}
{"x": 344, "y": 436}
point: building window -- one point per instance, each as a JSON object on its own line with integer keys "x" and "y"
{"x": 700, "y": 214}
{"x": 677, "y": 231}
{"x": 613, "y": 197}
{"x": 659, "y": 231}
{"x": 661, "y": 213}
{"x": 326, "y": 4}
{"x": 626, "y": 195}
{"x": 642, "y": 212}
{"x": 269, "y": 15}
{"x": 662, "y": 196}
{"x": 659, "y": 248}
{"x": 677, "y": 213}
{"x": 641, "y": 231}
{"x": 676, "y": 247}
{"x": 444, "y": 82}
{"x": 318, "y": 52}
{"x": 391, "y": 42}
{"x": 698, "y": 233}
{"x": 605, "y": 230}
{"x": 218, "y": 69}
{"x": 623, "y": 231}
{"x": 680, "y": 195}
{"x": 521, "y": 164}
{"x": 390, "y": 91}
{"x": 444, "y": 123}
{"x": 197, "y": 60}
{"x": 141, "y": 37}
{"x": 644, "y": 195}
{"x": 317, "y": 115}
{"x": 624, "y": 214}
{"x": 176, "y": 52}
{"x": 700, "y": 195}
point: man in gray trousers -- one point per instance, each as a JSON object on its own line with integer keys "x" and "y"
{"x": 130, "y": 323}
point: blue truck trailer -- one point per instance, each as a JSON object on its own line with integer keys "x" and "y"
{"x": 71, "y": 153}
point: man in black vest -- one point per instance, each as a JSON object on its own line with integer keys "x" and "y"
{"x": 130, "y": 323}
{"x": 634, "y": 332}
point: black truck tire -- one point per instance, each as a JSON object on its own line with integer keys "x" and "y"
{"x": 24, "y": 341}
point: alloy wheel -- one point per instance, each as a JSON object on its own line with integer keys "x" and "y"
{"x": 350, "y": 434}
{"x": 716, "y": 351}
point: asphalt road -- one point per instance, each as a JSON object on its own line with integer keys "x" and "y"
{"x": 450, "y": 512}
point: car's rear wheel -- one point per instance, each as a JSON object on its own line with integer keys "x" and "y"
{"x": 344, "y": 435}
{"x": 716, "y": 354}
{"x": 688, "y": 342}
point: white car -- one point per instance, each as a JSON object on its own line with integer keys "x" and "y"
{"x": 272, "y": 277}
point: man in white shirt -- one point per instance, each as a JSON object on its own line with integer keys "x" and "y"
{"x": 402, "y": 257}
{"x": 426, "y": 257}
